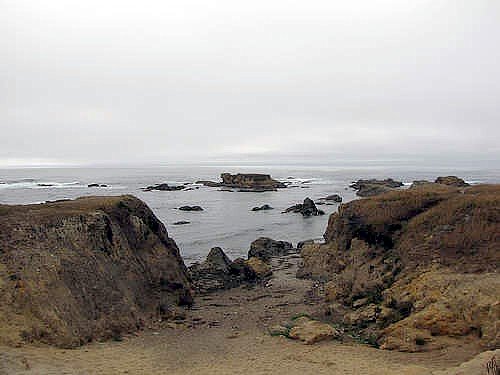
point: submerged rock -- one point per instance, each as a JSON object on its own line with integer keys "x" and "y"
{"x": 190, "y": 208}
{"x": 182, "y": 222}
{"x": 264, "y": 207}
{"x": 308, "y": 208}
{"x": 264, "y": 248}
{"x": 164, "y": 187}
{"x": 334, "y": 198}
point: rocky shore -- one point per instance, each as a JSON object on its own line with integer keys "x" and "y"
{"x": 408, "y": 270}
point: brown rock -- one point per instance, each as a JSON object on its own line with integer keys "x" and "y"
{"x": 312, "y": 331}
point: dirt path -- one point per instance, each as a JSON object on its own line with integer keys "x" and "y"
{"x": 226, "y": 333}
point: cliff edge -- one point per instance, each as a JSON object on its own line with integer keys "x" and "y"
{"x": 92, "y": 268}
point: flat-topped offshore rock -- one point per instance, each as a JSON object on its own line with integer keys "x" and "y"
{"x": 164, "y": 187}
{"x": 451, "y": 181}
{"x": 87, "y": 269}
{"x": 247, "y": 182}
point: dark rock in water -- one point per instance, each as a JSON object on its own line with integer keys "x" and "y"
{"x": 246, "y": 182}
{"x": 209, "y": 183}
{"x": 104, "y": 185}
{"x": 334, "y": 197}
{"x": 226, "y": 189}
{"x": 88, "y": 269}
{"x": 92, "y": 185}
{"x": 45, "y": 185}
{"x": 190, "y": 208}
{"x": 218, "y": 272}
{"x": 264, "y": 248}
{"x": 308, "y": 208}
{"x": 182, "y": 222}
{"x": 451, "y": 181}
{"x": 301, "y": 244}
{"x": 164, "y": 187}
{"x": 372, "y": 187}
{"x": 264, "y": 207}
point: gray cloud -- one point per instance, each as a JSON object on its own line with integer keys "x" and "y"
{"x": 123, "y": 81}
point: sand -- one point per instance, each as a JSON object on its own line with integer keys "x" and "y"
{"x": 226, "y": 333}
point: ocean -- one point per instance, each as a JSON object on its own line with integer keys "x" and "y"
{"x": 227, "y": 220}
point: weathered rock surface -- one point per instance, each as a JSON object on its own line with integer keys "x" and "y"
{"x": 417, "y": 268}
{"x": 259, "y": 267}
{"x": 164, "y": 187}
{"x": 247, "y": 182}
{"x": 92, "y": 268}
{"x": 264, "y": 248}
{"x": 451, "y": 181}
{"x": 372, "y": 187}
{"x": 219, "y": 272}
{"x": 312, "y": 331}
{"x": 308, "y": 208}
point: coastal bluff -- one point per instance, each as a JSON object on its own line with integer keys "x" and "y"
{"x": 92, "y": 268}
{"x": 414, "y": 270}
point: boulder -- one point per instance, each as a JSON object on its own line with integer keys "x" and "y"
{"x": 88, "y": 269}
{"x": 312, "y": 331}
{"x": 259, "y": 267}
{"x": 451, "y": 181}
{"x": 190, "y": 208}
{"x": 264, "y": 248}
{"x": 219, "y": 272}
{"x": 307, "y": 208}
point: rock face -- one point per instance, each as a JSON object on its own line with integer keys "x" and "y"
{"x": 416, "y": 269}
{"x": 219, "y": 272}
{"x": 92, "y": 268}
{"x": 247, "y": 182}
{"x": 372, "y": 187}
{"x": 308, "y": 208}
{"x": 451, "y": 181}
{"x": 264, "y": 248}
{"x": 164, "y": 187}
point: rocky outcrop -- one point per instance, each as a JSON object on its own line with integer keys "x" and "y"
{"x": 247, "y": 182}
{"x": 164, "y": 187}
{"x": 92, "y": 268}
{"x": 264, "y": 248}
{"x": 219, "y": 272}
{"x": 372, "y": 187}
{"x": 415, "y": 269}
{"x": 308, "y": 208}
{"x": 451, "y": 181}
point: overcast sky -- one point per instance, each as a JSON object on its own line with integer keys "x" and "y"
{"x": 139, "y": 81}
